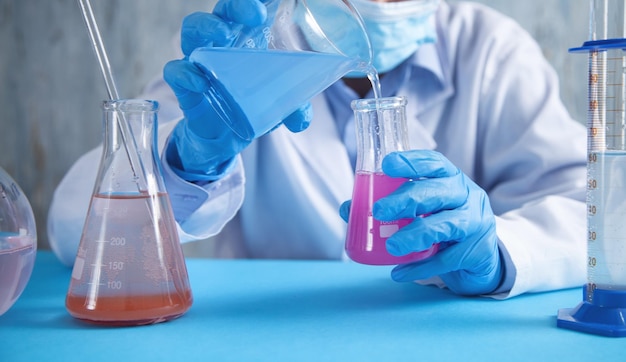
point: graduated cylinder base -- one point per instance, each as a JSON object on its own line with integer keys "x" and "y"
{"x": 605, "y": 315}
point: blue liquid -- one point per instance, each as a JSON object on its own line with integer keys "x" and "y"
{"x": 254, "y": 90}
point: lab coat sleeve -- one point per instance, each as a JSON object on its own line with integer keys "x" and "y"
{"x": 557, "y": 259}
{"x": 201, "y": 211}
{"x": 539, "y": 199}
{"x": 505, "y": 126}
{"x": 533, "y": 166}
{"x": 68, "y": 209}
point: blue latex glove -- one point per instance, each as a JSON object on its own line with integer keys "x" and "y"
{"x": 202, "y": 147}
{"x": 220, "y": 28}
{"x": 461, "y": 221}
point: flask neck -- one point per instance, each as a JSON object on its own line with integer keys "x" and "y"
{"x": 380, "y": 129}
{"x": 129, "y": 160}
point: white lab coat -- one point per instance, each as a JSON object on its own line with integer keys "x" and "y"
{"x": 483, "y": 95}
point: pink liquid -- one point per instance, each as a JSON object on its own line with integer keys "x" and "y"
{"x": 366, "y": 237}
{"x": 17, "y": 258}
{"x": 129, "y": 269}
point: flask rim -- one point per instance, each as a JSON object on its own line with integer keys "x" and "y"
{"x": 130, "y": 105}
{"x": 368, "y": 104}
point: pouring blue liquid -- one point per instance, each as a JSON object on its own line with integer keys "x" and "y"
{"x": 253, "y": 90}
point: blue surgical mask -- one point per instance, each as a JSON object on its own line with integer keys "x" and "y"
{"x": 397, "y": 29}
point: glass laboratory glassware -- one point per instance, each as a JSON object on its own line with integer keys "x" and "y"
{"x": 129, "y": 269}
{"x": 381, "y": 129}
{"x": 269, "y": 71}
{"x": 603, "y": 309}
{"x": 18, "y": 241}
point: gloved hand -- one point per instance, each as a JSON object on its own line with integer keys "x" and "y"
{"x": 202, "y": 147}
{"x": 460, "y": 219}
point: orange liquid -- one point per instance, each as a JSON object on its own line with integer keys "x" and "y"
{"x": 131, "y": 310}
{"x": 129, "y": 269}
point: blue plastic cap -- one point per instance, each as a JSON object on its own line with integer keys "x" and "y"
{"x": 600, "y": 45}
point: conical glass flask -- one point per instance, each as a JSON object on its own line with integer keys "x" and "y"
{"x": 129, "y": 269}
{"x": 381, "y": 129}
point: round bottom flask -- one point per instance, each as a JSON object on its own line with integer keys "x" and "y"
{"x": 18, "y": 241}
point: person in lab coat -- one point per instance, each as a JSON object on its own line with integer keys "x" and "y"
{"x": 500, "y": 161}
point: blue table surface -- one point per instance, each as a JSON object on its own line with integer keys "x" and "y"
{"x": 268, "y": 310}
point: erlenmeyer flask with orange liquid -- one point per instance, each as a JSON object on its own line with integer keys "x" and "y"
{"x": 129, "y": 269}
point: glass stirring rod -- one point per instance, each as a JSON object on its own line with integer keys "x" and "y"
{"x": 105, "y": 67}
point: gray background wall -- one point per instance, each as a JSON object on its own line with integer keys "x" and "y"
{"x": 51, "y": 88}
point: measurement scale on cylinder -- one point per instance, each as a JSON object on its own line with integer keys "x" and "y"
{"x": 606, "y": 174}
{"x": 603, "y": 309}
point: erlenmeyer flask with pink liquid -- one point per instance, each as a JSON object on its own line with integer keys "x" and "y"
{"x": 381, "y": 129}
